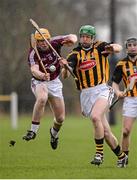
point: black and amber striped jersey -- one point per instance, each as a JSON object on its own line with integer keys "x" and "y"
{"x": 91, "y": 67}
{"x": 125, "y": 70}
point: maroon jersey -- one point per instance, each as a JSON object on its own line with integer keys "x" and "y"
{"x": 48, "y": 57}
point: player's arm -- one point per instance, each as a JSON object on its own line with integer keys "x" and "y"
{"x": 34, "y": 66}
{"x": 109, "y": 48}
{"x": 69, "y": 40}
{"x": 117, "y": 91}
{"x": 71, "y": 59}
{"x": 65, "y": 73}
{"x": 116, "y": 78}
{"x": 38, "y": 74}
{"x": 113, "y": 48}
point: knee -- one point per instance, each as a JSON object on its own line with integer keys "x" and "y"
{"x": 60, "y": 119}
{"x": 126, "y": 132}
{"x": 41, "y": 101}
{"x": 95, "y": 118}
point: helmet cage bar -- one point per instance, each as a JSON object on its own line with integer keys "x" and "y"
{"x": 92, "y": 36}
{"x": 130, "y": 40}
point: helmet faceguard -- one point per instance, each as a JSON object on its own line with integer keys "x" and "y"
{"x": 131, "y": 41}
{"x": 41, "y": 44}
{"x": 89, "y": 31}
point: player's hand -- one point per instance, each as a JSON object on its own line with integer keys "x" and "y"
{"x": 63, "y": 62}
{"x": 120, "y": 94}
{"x": 112, "y": 48}
{"x": 45, "y": 77}
{"x": 108, "y": 49}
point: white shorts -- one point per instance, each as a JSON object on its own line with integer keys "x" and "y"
{"x": 130, "y": 107}
{"x": 89, "y": 96}
{"x": 54, "y": 87}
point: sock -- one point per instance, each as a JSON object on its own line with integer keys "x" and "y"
{"x": 35, "y": 126}
{"x": 99, "y": 146}
{"x": 126, "y": 152}
{"x": 120, "y": 154}
{"x": 54, "y": 132}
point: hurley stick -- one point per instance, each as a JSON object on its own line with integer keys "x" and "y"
{"x": 34, "y": 46}
{"x": 129, "y": 88}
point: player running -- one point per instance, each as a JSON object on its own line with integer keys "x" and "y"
{"x": 89, "y": 61}
{"x": 48, "y": 87}
{"x": 125, "y": 70}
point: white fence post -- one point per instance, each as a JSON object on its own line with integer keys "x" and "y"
{"x": 14, "y": 110}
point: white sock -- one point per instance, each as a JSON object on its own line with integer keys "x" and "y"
{"x": 34, "y": 127}
{"x": 54, "y": 132}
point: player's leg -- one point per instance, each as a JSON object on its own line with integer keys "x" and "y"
{"x": 109, "y": 136}
{"x": 129, "y": 116}
{"x": 58, "y": 108}
{"x": 97, "y": 113}
{"x": 113, "y": 143}
{"x": 126, "y": 131}
{"x": 41, "y": 94}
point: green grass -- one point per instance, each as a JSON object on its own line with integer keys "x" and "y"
{"x": 36, "y": 160}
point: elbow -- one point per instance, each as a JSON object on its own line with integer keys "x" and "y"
{"x": 73, "y": 38}
{"x": 32, "y": 71}
{"x": 115, "y": 86}
{"x": 117, "y": 48}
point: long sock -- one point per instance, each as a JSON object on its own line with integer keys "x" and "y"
{"x": 126, "y": 152}
{"x": 99, "y": 146}
{"x": 120, "y": 154}
{"x": 54, "y": 132}
{"x": 35, "y": 126}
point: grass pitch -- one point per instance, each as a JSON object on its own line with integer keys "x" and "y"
{"x": 36, "y": 159}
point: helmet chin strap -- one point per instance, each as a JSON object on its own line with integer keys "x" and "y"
{"x": 86, "y": 48}
{"x": 89, "y": 46}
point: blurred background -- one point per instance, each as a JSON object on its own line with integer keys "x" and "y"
{"x": 115, "y": 20}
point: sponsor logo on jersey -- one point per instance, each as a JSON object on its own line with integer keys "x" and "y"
{"x": 133, "y": 76}
{"x": 86, "y": 65}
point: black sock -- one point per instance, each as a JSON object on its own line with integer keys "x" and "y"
{"x": 120, "y": 154}
{"x": 126, "y": 152}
